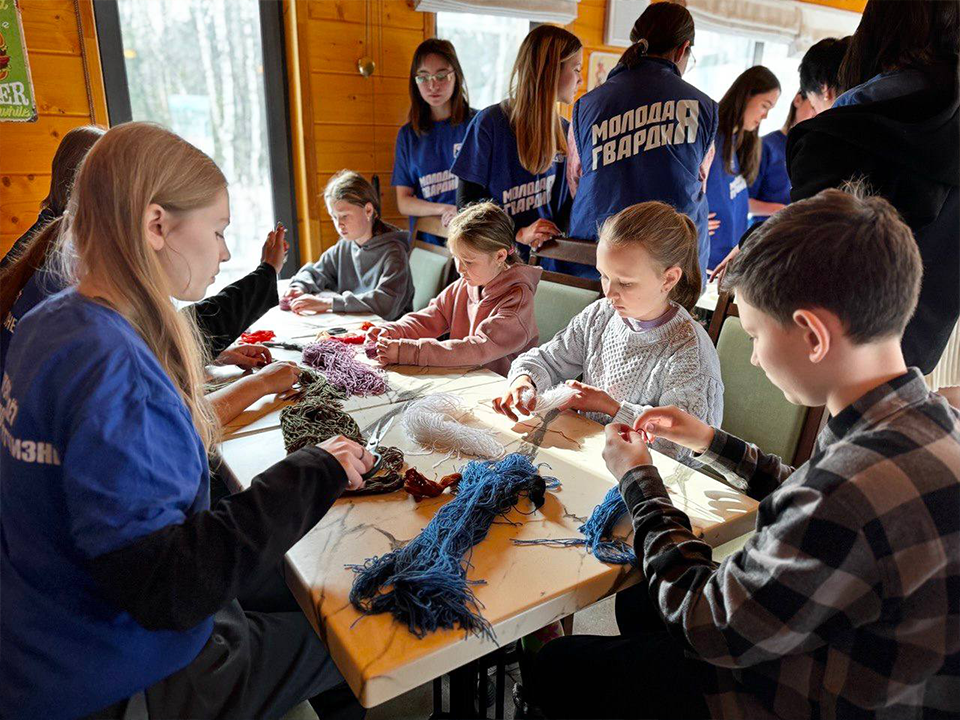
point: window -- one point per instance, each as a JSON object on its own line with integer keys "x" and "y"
{"x": 721, "y": 57}
{"x": 487, "y": 46}
{"x": 197, "y": 67}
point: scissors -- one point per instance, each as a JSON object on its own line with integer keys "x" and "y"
{"x": 372, "y": 445}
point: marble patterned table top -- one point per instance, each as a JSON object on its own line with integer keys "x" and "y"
{"x": 526, "y": 587}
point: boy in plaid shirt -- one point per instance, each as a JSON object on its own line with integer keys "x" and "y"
{"x": 845, "y": 602}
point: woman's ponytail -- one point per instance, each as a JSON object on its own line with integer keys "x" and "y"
{"x": 661, "y": 28}
{"x": 633, "y": 54}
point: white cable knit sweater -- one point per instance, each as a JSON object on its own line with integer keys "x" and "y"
{"x": 674, "y": 364}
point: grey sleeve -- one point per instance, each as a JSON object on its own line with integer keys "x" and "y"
{"x": 561, "y": 358}
{"x": 389, "y": 298}
{"x": 318, "y": 276}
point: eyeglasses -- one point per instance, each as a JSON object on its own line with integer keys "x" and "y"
{"x": 692, "y": 62}
{"x": 440, "y": 77}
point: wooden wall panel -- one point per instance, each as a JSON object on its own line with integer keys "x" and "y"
{"x": 350, "y": 121}
{"x": 68, "y": 86}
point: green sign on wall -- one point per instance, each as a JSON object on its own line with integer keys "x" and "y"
{"x": 17, "y": 103}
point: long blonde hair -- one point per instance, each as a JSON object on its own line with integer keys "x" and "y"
{"x": 669, "y": 237}
{"x": 532, "y": 105}
{"x": 131, "y": 167}
{"x": 483, "y": 227}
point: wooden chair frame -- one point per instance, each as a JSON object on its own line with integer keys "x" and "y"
{"x": 568, "y": 250}
{"x": 429, "y": 224}
{"x": 816, "y": 417}
{"x": 572, "y": 281}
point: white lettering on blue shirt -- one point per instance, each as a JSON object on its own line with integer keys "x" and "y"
{"x": 627, "y": 134}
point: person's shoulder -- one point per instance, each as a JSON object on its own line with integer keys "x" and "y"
{"x": 406, "y": 134}
{"x": 492, "y": 116}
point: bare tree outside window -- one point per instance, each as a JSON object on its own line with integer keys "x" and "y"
{"x": 196, "y": 67}
{"x": 487, "y": 46}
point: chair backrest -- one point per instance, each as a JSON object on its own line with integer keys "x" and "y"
{"x": 430, "y": 267}
{"x": 567, "y": 249}
{"x": 559, "y": 298}
{"x": 429, "y": 224}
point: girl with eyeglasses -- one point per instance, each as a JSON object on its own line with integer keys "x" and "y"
{"x": 645, "y": 134}
{"x": 429, "y": 142}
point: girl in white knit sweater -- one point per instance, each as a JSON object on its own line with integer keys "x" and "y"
{"x": 638, "y": 346}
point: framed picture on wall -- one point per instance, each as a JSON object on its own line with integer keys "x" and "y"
{"x": 600, "y": 64}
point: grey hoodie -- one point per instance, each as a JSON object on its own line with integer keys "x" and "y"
{"x": 374, "y": 277}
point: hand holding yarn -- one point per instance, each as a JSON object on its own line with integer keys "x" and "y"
{"x": 388, "y": 351}
{"x": 521, "y": 397}
{"x": 245, "y": 356}
{"x": 310, "y": 303}
{"x": 588, "y": 398}
{"x": 624, "y": 450}
{"x": 293, "y": 291}
{"x": 673, "y": 424}
{"x": 278, "y": 377}
{"x": 352, "y": 456}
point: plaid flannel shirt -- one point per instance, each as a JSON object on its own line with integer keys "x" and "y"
{"x": 846, "y": 601}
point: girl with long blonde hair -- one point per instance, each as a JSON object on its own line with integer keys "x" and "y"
{"x": 119, "y": 580}
{"x": 514, "y": 152}
{"x": 638, "y": 345}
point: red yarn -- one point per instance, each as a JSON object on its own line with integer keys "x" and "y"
{"x": 257, "y": 336}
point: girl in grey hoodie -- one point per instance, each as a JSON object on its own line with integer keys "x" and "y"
{"x": 368, "y": 268}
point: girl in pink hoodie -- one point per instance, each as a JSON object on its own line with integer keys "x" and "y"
{"x": 488, "y": 312}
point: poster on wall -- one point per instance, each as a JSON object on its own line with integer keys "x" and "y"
{"x": 600, "y": 64}
{"x": 17, "y": 102}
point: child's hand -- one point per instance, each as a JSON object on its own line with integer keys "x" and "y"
{"x": 538, "y": 233}
{"x": 278, "y": 377}
{"x": 590, "y": 399}
{"x": 310, "y": 303}
{"x": 275, "y": 248}
{"x": 720, "y": 270}
{"x": 244, "y": 356}
{"x": 293, "y": 291}
{"x": 522, "y": 395}
{"x": 388, "y": 351}
{"x": 624, "y": 450}
{"x": 673, "y": 424}
{"x": 374, "y": 333}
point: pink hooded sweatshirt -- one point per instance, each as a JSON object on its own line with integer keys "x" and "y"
{"x": 488, "y": 326}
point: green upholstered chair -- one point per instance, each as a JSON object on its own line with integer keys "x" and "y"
{"x": 430, "y": 267}
{"x": 753, "y": 407}
{"x": 559, "y": 298}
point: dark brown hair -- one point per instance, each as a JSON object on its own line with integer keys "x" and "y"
{"x": 752, "y": 81}
{"x": 841, "y": 250}
{"x": 71, "y": 151}
{"x": 669, "y": 237}
{"x": 420, "y": 118}
{"x": 662, "y": 27}
{"x": 820, "y": 65}
{"x": 896, "y": 34}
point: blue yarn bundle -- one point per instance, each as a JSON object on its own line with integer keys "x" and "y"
{"x": 427, "y": 578}
{"x": 599, "y": 525}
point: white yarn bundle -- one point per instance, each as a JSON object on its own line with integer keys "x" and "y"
{"x": 551, "y": 399}
{"x": 431, "y": 423}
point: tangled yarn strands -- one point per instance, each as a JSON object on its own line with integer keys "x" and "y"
{"x": 319, "y": 416}
{"x": 598, "y": 526}
{"x": 550, "y": 400}
{"x": 339, "y": 363}
{"x": 424, "y": 584}
{"x": 430, "y": 422}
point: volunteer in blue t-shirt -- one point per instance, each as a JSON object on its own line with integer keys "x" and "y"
{"x": 514, "y": 153}
{"x": 737, "y": 158}
{"x": 428, "y": 144}
{"x": 645, "y": 134}
{"x": 120, "y": 582}
{"x": 771, "y": 190}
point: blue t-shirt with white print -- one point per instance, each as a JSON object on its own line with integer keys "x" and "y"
{"x": 772, "y": 183}
{"x": 489, "y": 157}
{"x": 642, "y": 136}
{"x": 98, "y": 450}
{"x": 727, "y": 196}
{"x": 423, "y": 164}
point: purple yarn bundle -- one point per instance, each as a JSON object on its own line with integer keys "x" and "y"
{"x": 338, "y": 362}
